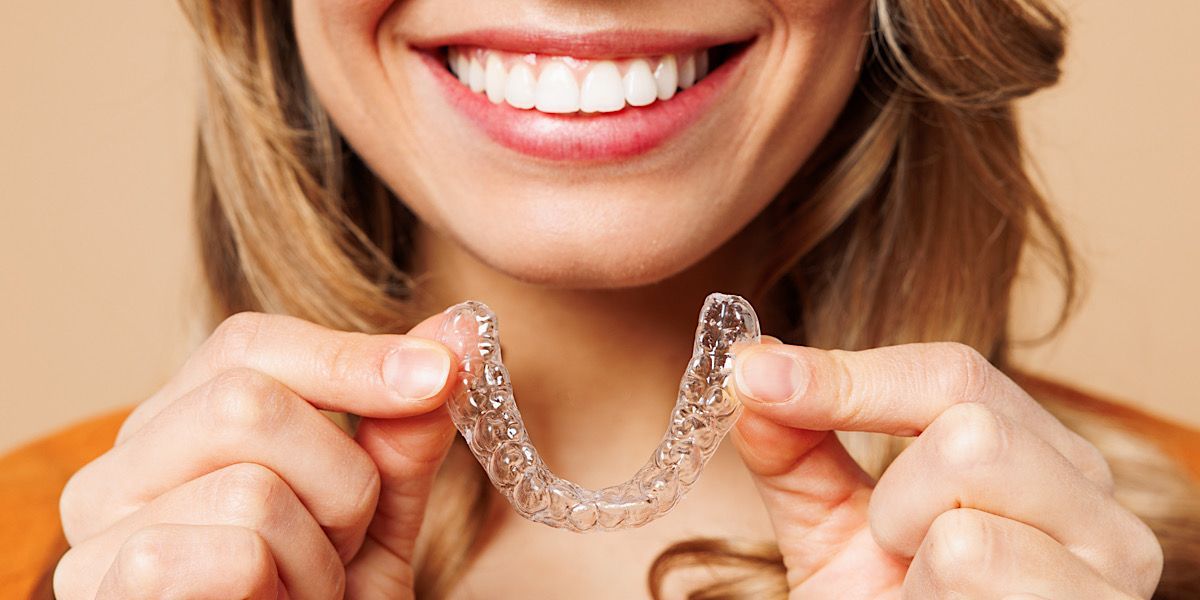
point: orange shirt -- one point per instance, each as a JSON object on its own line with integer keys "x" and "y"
{"x": 32, "y": 477}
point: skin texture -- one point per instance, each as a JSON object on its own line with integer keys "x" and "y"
{"x": 599, "y": 225}
{"x": 228, "y": 482}
{"x": 994, "y": 496}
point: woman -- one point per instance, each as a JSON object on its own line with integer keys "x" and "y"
{"x": 592, "y": 170}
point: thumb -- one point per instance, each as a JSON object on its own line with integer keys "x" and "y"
{"x": 408, "y": 452}
{"x": 814, "y": 492}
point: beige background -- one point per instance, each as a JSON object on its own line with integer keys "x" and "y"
{"x": 96, "y": 277}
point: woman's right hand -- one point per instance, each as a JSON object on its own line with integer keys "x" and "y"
{"x": 229, "y": 482}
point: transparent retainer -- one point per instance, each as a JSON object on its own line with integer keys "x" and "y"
{"x": 484, "y": 411}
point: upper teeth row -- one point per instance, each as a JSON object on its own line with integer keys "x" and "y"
{"x": 562, "y": 84}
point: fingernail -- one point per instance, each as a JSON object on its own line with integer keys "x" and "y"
{"x": 416, "y": 371}
{"x": 769, "y": 376}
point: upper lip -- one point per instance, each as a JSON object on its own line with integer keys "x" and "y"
{"x": 607, "y": 43}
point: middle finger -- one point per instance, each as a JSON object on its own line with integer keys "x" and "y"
{"x": 242, "y": 495}
{"x": 973, "y": 458}
{"x": 898, "y": 390}
{"x": 240, "y": 416}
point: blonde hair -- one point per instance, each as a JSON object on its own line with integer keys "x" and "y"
{"x": 907, "y": 224}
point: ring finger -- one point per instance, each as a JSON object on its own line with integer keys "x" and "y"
{"x": 187, "y": 561}
{"x": 973, "y": 554}
{"x": 238, "y": 417}
{"x": 971, "y": 457}
{"x": 243, "y": 495}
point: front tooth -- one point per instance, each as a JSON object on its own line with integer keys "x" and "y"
{"x": 640, "y": 88}
{"x": 495, "y": 78}
{"x": 464, "y": 68}
{"x": 602, "y": 90}
{"x": 687, "y": 71}
{"x": 557, "y": 91}
{"x": 476, "y": 77}
{"x": 666, "y": 76}
{"x": 520, "y": 90}
{"x": 701, "y": 64}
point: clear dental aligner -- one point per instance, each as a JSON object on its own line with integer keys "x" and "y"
{"x": 485, "y": 413}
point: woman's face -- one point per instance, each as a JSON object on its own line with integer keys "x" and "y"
{"x": 587, "y": 144}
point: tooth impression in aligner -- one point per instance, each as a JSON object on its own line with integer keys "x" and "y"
{"x": 484, "y": 411}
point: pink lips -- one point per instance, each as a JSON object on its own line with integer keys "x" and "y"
{"x": 582, "y": 137}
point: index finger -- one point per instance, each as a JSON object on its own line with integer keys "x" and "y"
{"x": 897, "y": 390}
{"x": 385, "y": 376}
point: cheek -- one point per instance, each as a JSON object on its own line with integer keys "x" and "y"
{"x": 344, "y": 54}
{"x": 361, "y": 15}
{"x": 815, "y": 50}
{"x": 339, "y": 46}
{"x": 820, "y": 11}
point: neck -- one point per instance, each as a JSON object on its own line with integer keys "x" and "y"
{"x": 591, "y": 368}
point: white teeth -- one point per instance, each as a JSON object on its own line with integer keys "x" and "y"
{"x": 666, "y": 76}
{"x": 495, "y": 79}
{"x": 464, "y": 66}
{"x": 552, "y": 84}
{"x": 687, "y": 71}
{"x": 602, "y": 90}
{"x": 476, "y": 78}
{"x": 557, "y": 91}
{"x": 640, "y": 88}
{"x": 520, "y": 91}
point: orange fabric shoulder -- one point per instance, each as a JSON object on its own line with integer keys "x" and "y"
{"x": 31, "y": 479}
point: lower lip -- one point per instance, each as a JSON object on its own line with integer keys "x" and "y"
{"x": 629, "y": 132}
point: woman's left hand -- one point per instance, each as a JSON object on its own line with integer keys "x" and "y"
{"x": 994, "y": 499}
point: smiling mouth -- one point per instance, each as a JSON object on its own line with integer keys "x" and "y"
{"x": 585, "y": 97}
{"x": 563, "y": 85}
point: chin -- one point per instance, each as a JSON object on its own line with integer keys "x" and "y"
{"x": 590, "y": 259}
{"x": 591, "y": 235}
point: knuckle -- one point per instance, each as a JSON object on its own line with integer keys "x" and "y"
{"x": 967, "y": 370}
{"x": 139, "y": 416}
{"x": 364, "y": 503}
{"x": 959, "y": 545}
{"x": 86, "y": 506}
{"x": 847, "y": 408}
{"x": 332, "y": 574}
{"x": 349, "y": 511}
{"x": 150, "y": 560}
{"x": 968, "y": 435}
{"x": 1150, "y": 570}
{"x": 67, "y": 575}
{"x": 251, "y": 565}
{"x": 70, "y": 507}
{"x": 338, "y": 582}
{"x": 242, "y": 401}
{"x": 232, "y": 340}
{"x": 1146, "y": 557}
{"x": 143, "y": 564}
{"x": 248, "y": 495}
{"x": 341, "y": 362}
{"x": 1094, "y": 465}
